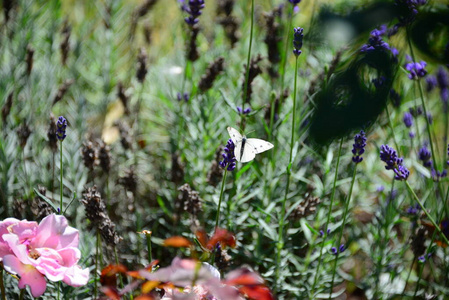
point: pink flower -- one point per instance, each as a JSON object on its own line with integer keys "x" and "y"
{"x": 34, "y": 251}
{"x": 206, "y": 282}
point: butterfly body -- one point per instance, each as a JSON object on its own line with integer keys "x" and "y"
{"x": 246, "y": 149}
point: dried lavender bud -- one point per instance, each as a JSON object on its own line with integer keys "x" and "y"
{"x": 254, "y": 71}
{"x": 123, "y": 97}
{"x": 418, "y": 240}
{"x": 216, "y": 172}
{"x": 129, "y": 181}
{"x": 125, "y": 138}
{"x": 229, "y": 22}
{"x": 65, "y": 43}
{"x": 40, "y": 208}
{"x": 192, "y": 48}
{"x": 306, "y": 208}
{"x": 334, "y": 63}
{"x": 29, "y": 59}
{"x": 147, "y": 32}
{"x": 177, "y": 169}
{"x": 96, "y": 213}
{"x": 19, "y": 207}
{"x": 51, "y": 134}
{"x": 142, "y": 61}
{"x": 6, "y": 109}
{"x": 8, "y": 6}
{"x": 62, "y": 90}
{"x": 213, "y": 70}
{"x": 279, "y": 100}
{"x": 272, "y": 40}
{"x": 23, "y": 133}
{"x": 190, "y": 200}
{"x": 104, "y": 156}
{"x": 90, "y": 155}
{"x": 142, "y": 10}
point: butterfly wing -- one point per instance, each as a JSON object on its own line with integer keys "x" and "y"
{"x": 259, "y": 145}
{"x": 236, "y": 137}
{"x": 246, "y": 154}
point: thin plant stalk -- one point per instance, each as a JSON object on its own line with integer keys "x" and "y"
{"x": 2, "y": 286}
{"x": 280, "y": 243}
{"x": 223, "y": 183}
{"x": 440, "y": 212}
{"x": 97, "y": 253}
{"x": 345, "y": 214}
{"x": 61, "y": 172}
{"x": 22, "y": 294}
{"x": 328, "y": 216}
{"x": 437, "y": 228}
{"x": 248, "y": 59}
{"x": 286, "y": 51}
{"x": 390, "y": 124}
{"x": 150, "y": 256}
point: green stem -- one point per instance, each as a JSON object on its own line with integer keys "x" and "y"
{"x": 328, "y": 215}
{"x": 423, "y": 103}
{"x": 280, "y": 243}
{"x": 2, "y": 286}
{"x": 437, "y": 227}
{"x": 150, "y": 256}
{"x": 248, "y": 59}
{"x": 392, "y": 130}
{"x": 223, "y": 183}
{"x": 342, "y": 228}
{"x": 97, "y": 251}
{"x": 287, "y": 46}
{"x": 61, "y": 171}
{"x": 22, "y": 293}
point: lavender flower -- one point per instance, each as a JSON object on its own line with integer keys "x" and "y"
{"x": 424, "y": 155}
{"x": 61, "y": 128}
{"x": 375, "y": 42}
{"x": 322, "y": 232}
{"x": 442, "y": 79}
{"x": 395, "y": 97}
{"x": 408, "y": 10}
{"x": 390, "y": 157}
{"x": 193, "y": 8}
{"x": 378, "y": 82}
{"x": 431, "y": 83}
{"x": 184, "y": 97}
{"x": 358, "y": 148}
{"x": 413, "y": 210}
{"x": 294, "y": 2}
{"x": 243, "y": 111}
{"x": 340, "y": 249}
{"x": 417, "y": 70}
{"x": 297, "y": 40}
{"x": 408, "y": 120}
{"x": 229, "y": 160}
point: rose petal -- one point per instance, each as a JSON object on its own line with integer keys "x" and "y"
{"x": 53, "y": 232}
{"x": 28, "y": 275}
{"x": 75, "y": 276}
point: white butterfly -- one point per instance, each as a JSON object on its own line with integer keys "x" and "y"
{"x": 246, "y": 149}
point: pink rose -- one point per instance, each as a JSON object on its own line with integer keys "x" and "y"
{"x": 49, "y": 249}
